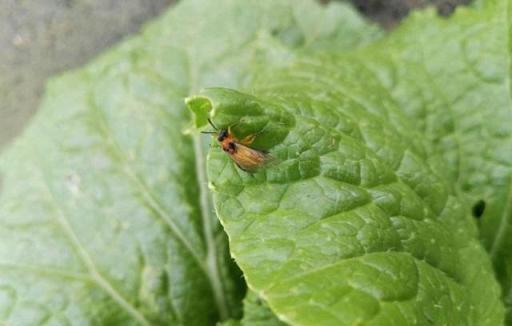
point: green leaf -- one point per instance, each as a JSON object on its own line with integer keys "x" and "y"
{"x": 358, "y": 222}
{"x": 105, "y": 216}
{"x": 256, "y": 313}
{"x": 453, "y": 79}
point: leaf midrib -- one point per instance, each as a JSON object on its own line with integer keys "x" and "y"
{"x": 212, "y": 266}
{"x": 212, "y": 261}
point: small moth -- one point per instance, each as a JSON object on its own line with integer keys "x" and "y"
{"x": 246, "y": 158}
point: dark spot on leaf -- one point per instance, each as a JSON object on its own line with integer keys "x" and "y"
{"x": 478, "y": 208}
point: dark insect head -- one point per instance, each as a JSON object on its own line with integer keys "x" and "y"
{"x": 223, "y": 134}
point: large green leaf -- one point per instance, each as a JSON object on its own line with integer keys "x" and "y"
{"x": 453, "y": 79}
{"x": 105, "y": 214}
{"x": 353, "y": 224}
{"x": 364, "y": 216}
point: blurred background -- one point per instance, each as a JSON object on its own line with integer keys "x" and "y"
{"x": 44, "y": 37}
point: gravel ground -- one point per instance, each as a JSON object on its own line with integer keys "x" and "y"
{"x": 44, "y": 37}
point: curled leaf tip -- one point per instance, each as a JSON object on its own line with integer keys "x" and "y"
{"x": 200, "y": 107}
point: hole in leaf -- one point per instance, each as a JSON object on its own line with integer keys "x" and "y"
{"x": 478, "y": 208}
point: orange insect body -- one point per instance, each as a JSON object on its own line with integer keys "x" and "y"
{"x": 246, "y": 158}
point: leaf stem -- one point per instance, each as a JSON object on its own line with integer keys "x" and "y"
{"x": 211, "y": 258}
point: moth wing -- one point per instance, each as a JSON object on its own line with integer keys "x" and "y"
{"x": 249, "y": 159}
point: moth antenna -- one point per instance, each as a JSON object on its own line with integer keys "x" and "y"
{"x": 212, "y": 124}
{"x": 208, "y": 132}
